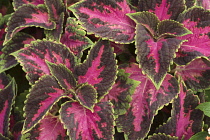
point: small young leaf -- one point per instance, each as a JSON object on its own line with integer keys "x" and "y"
{"x": 33, "y": 58}
{"x": 28, "y": 16}
{"x": 155, "y": 57}
{"x": 43, "y": 95}
{"x": 8, "y": 61}
{"x": 74, "y": 37}
{"x": 63, "y": 75}
{"x": 99, "y": 70}
{"x": 86, "y": 95}
{"x": 163, "y": 9}
{"x": 147, "y": 19}
{"x": 205, "y": 107}
{"x": 56, "y": 11}
{"x": 106, "y": 18}
{"x": 81, "y": 123}
{"x": 7, "y": 94}
{"x": 146, "y": 101}
{"x": 171, "y": 27}
{"x": 195, "y": 74}
{"x": 49, "y": 128}
{"x": 185, "y": 120}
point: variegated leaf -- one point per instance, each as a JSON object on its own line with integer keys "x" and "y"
{"x": 7, "y": 95}
{"x": 195, "y": 74}
{"x": 163, "y": 9}
{"x": 197, "y": 44}
{"x": 56, "y": 11}
{"x": 159, "y": 29}
{"x": 74, "y": 37}
{"x": 8, "y": 61}
{"x": 155, "y": 57}
{"x": 33, "y": 58}
{"x": 121, "y": 91}
{"x": 84, "y": 124}
{"x": 43, "y": 95}
{"x": 146, "y": 101}
{"x": 147, "y": 19}
{"x": 19, "y": 3}
{"x": 64, "y": 76}
{"x": 99, "y": 70}
{"x": 28, "y": 16}
{"x": 106, "y": 18}
{"x": 185, "y": 120}
{"x": 49, "y": 128}
{"x": 87, "y": 95}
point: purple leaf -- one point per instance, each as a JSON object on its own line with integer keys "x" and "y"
{"x": 154, "y": 57}
{"x": 157, "y": 28}
{"x": 163, "y": 9}
{"x": 63, "y": 75}
{"x": 173, "y": 28}
{"x": 106, "y": 19}
{"x": 99, "y": 70}
{"x": 147, "y": 19}
{"x": 7, "y": 92}
{"x": 19, "y": 3}
{"x": 49, "y": 128}
{"x": 43, "y": 95}
{"x": 56, "y": 11}
{"x": 83, "y": 124}
{"x": 185, "y": 120}
{"x": 74, "y": 37}
{"x": 33, "y": 58}
{"x": 196, "y": 44}
{"x": 146, "y": 101}
{"x": 195, "y": 74}
{"x": 121, "y": 91}
{"x": 56, "y": 33}
{"x": 86, "y": 95}
{"x": 28, "y": 16}
{"x": 17, "y": 42}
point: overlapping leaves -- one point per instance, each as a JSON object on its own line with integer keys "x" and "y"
{"x": 196, "y": 20}
{"x": 7, "y": 94}
{"x": 146, "y": 101}
{"x": 83, "y": 84}
{"x": 155, "y": 48}
{"x": 106, "y": 18}
{"x": 186, "y": 120}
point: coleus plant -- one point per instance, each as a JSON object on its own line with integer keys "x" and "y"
{"x": 103, "y": 69}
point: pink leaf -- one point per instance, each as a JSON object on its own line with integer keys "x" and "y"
{"x": 106, "y": 19}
